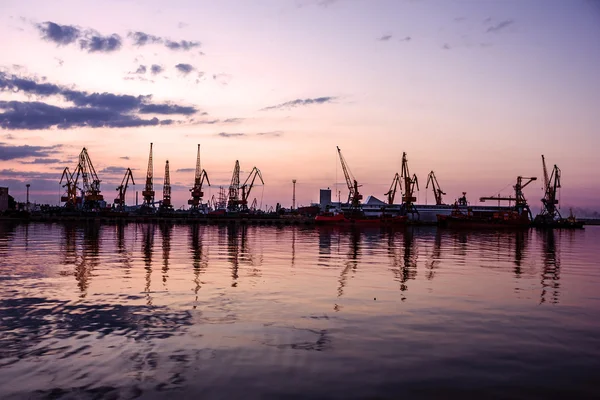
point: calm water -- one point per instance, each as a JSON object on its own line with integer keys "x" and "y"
{"x": 258, "y": 312}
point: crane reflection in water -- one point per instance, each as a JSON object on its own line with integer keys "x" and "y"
{"x": 353, "y": 257}
{"x": 551, "y": 268}
{"x": 334, "y": 247}
{"x": 147, "y": 249}
{"x": 125, "y": 255}
{"x": 436, "y": 255}
{"x": 89, "y": 260}
{"x": 240, "y": 253}
{"x": 166, "y": 230}
{"x": 404, "y": 266}
{"x": 199, "y": 257}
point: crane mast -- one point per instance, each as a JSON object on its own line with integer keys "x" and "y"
{"x": 166, "y": 203}
{"x": 234, "y": 189}
{"x": 354, "y": 197}
{"x": 89, "y": 179}
{"x": 410, "y": 183}
{"x": 437, "y": 191}
{"x": 148, "y": 192}
{"x": 122, "y": 188}
{"x": 391, "y": 194}
{"x": 199, "y": 178}
{"x": 221, "y": 202}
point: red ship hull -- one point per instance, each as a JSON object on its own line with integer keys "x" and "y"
{"x": 496, "y": 221}
{"x": 340, "y": 219}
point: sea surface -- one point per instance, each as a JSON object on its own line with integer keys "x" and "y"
{"x": 217, "y": 312}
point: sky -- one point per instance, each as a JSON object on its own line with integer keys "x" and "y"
{"x": 476, "y": 91}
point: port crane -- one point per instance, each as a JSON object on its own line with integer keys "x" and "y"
{"x": 120, "y": 201}
{"x": 70, "y": 196}
{"x": 247, "y": 188}
{"x": 148, "y": 192}
{"x": 166, "y": 202}
{"x": 239, "y": 201}
{"x": 437, "y": 191}
{"x": 519, "y": 198}
{"x": 199, "y": 179}
{"x": 391, "y": 194}
{"x": 410, "y": 183}
{"x": 89, "y": 179}
{"x": 550, "y": 201}
{"x": 354, "y": 197}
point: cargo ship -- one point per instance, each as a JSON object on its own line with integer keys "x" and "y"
{"x": 518, "y": 216}
{"x": 511, "y": 219}
{"x": 359, "y": 218}
{"x": 426, "y": 213}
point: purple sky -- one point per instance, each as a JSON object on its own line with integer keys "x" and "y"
{"x": 474, "y": 90}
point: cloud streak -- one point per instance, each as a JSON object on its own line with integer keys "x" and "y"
{"x": 37, "y": 115}
{"x": 62, "y": 35}
{"x": 300, "y": 102}
{"x": 241, "y": 134}
{"x": 156, "y": 69}
{"x": 94, "y": 42}
{"x": 29, "y": 174}
{"x": 8, "y": 152}
{"x": 87, "y": 109}
{"x": 230, "y": 135}
{"x": 42, "y": 161}
{"x": 271, "y": 134}
{"x": 89, "y": 39}
{"x": 185, "y": 68}
{"x": 143, "y": 39}
{"x": 500, "y": 26}
{"x": 114, "y": 170}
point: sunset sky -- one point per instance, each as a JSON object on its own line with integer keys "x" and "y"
{"x": 474, "y": 90}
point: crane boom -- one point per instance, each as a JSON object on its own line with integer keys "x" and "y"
{"x": 391, "y": 194}
{"x": 122, "y": 188}
{"x": 546, "y": 179}
{"x": 354, "y": 196}
{"x": 246, "y": 189}
{"x": 437, "y": 191}
{"x": 70, "y": 196}
{"x": 148, "y": 192}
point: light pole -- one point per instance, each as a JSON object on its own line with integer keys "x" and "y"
{"x": 294, "y": 195}
{"x": 27, "y": 203}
